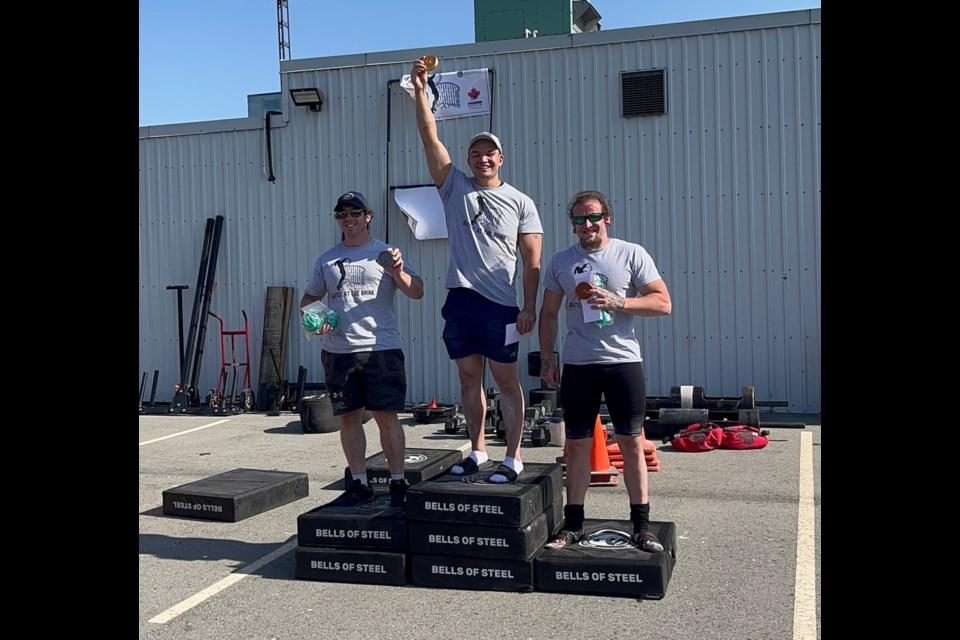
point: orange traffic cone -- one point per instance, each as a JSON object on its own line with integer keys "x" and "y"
{"x": 649, "y": 453}
{"x": 433, "y": 403}
{"x": 602, "y": 474}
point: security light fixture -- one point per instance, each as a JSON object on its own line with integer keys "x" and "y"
{"x": 311, "y": 97}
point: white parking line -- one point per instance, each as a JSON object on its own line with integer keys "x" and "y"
{"x": 216, "y": 588}
{"x": 805, "y": 587}
{"x": 174, "y": 435}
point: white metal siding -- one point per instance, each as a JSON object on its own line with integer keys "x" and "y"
{"x": 723, "y": 190}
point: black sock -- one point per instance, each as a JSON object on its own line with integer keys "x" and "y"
{"x": 573, "y": 514}
{"x": 640, "y": 516}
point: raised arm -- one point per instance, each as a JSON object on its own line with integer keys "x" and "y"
{"x": 438, "y": 158}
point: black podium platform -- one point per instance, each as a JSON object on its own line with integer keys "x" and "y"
{"x": 606, "y": 563}
{"x": 472, "y": 499}
{"x": 463, "y": 532}
{"x": 469, "y": 533}
{"x": 476, "y": 541}
{"x": 480, "y": 574}
{"x": 235, "y": 495}
{"x": 345, "y": 565}
{"x": 371, "y": 525}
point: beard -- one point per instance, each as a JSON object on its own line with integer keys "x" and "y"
{"x": 594, "y": 242}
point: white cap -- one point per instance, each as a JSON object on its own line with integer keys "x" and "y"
{"x": 485, "y": 135}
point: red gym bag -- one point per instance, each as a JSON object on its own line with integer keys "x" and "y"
{"x": 701, "y": 436}
{"x": 743, "y": 437}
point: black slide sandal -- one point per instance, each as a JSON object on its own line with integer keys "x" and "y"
{"x": 468, "y": 464}
{"x": 506, "y": 472}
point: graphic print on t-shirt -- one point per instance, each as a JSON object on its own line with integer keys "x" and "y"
{"x": 351, "y": 281}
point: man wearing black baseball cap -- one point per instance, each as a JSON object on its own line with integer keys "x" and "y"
{"x": 487, "y": 222}
{"x": 363, "y": 363}
{"x": 352, "y": 200}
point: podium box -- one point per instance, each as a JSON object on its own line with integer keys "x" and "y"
{"x": 606, "y": 563}
{"x": 370, "y": 525}
{"x": 507, "y": 543}
{"x": 235, "y": 495}
{"x": 341, "y": 565}
{"x": 471, "y": 499}
{"x": 482, "y": 574}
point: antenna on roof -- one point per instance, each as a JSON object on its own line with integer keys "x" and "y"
{"x": 283, "y": 29}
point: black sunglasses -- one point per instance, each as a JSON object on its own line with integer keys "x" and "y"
{"x": 356, "y": 213}
{"x": 593, "y": 217}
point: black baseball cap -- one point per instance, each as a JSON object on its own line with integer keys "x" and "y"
{"x": 352, "y": 200}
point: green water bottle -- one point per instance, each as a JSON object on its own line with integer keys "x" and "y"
{"x": 606, "y": 317}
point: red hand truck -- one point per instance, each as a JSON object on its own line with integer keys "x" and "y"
{"x": 219, "y": 400}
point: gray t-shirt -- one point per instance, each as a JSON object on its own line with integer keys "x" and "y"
{"x": 623, "y": 267}
{"x": 361, "y": 292}
{"x": 484, "y": 225}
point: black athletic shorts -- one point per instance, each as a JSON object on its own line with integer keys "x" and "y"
{"x": 621, "y": 385}
{"x": 375, "y": 380}
{"x": 477, "y": 325}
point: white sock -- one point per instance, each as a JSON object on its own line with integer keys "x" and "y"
{"x": 396, "y": 476}
{"x": 362, "y": 477}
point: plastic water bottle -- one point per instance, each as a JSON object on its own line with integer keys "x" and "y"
{"x": 607, "y": 317}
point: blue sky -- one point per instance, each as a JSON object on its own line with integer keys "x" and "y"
{"x": 199, "y": 59}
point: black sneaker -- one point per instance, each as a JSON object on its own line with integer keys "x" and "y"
{"x": 398, "y": 493}
{"x": 354, "y": 495}
{"x": 564, "y": 539}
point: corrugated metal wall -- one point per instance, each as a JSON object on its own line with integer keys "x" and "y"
{"x": 723, "y": 190}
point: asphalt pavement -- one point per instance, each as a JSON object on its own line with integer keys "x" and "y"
{"x": 747, "y": 565}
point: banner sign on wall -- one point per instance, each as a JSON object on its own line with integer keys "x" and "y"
{"x": 456, "y": 94}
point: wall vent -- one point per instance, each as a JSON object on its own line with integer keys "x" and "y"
{"x": 644, "y": 93}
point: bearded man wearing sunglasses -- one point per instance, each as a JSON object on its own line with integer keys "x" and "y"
{"x": 363, "y": 363}
{"x": 600, "y": 359}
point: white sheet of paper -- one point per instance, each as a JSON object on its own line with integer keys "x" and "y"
{"x": 424, "y": 211}
{"x": 589, "y": 315}
{"x": 512, "y": 334}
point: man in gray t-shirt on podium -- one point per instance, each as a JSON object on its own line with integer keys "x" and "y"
{"x": 363, "y": 362}
{"x": 487, "y": 222}
{"x": 607, "y": 283}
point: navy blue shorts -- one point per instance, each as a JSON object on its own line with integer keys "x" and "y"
{"x": 475, "y": 325}
{"x": 621, "y": 385}
{"x": 375, "y": 380}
